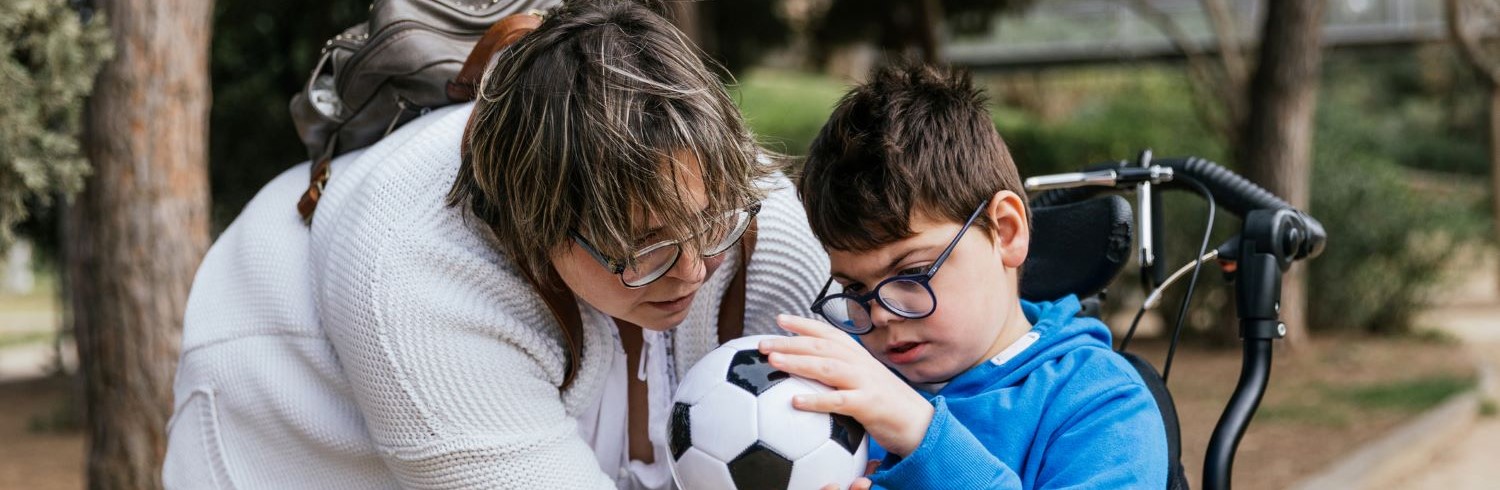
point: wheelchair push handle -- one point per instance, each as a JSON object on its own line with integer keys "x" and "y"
{"x": 1234, "y": 192}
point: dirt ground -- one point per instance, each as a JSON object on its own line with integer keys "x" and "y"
{"x": 31, "y": 458}
{"x": 1306, "y": 420}
{"x": 1321, "y": 403}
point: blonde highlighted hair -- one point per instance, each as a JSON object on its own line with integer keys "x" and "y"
{"x": 576, "y": 128}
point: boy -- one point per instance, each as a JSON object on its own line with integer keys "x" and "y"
{"x": 1008, "y": 393}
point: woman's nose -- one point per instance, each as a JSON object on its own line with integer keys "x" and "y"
{"x": 691, "y": 267}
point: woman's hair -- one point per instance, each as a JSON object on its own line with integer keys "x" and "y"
{"x": 576, "y": 128}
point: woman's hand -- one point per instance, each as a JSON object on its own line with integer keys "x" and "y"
{"x": 892, "y": 412}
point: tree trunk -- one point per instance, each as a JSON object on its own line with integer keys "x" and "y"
{"x": 1495, "y": 157}
{"x": 929, "y": 15}
{"x": 1276, "y": 151}
{"x": 689, "y": 18}
{"x": 1467, "y": 40}
{"x": 136, "y": 233}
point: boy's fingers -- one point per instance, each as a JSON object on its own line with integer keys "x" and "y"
{"x": 838, "y": 402}
{"x": 809, "y": 327}
{"x": 801, "y": 345}
{"x": 831, "y": 372}
{"x": 861, "y": 483}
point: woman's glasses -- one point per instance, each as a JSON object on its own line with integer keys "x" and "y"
{"x": 908, "y": 295}
{"x": 651, "y": 262}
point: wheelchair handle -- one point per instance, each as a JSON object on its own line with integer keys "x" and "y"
{"x": 1235, "y": 193}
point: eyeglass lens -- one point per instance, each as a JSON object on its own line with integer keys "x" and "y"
{"x": 654, "y": 262}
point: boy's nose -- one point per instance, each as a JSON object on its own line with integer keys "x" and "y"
{"x": 880, "y": 316}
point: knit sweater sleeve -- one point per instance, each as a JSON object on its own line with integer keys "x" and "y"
{"x": 454, "y": 367}
{"x": 452, "y": 389}
{"x": 788, "y": 266}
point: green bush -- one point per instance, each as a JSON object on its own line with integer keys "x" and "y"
{"x": 1120, "y": 118}
{"x": 48, "y": 59}
{"x": 1427, "y": 111}
{"x": 1389, "y": 242}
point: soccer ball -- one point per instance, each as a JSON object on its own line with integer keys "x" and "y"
{"x": 733, "y": 427}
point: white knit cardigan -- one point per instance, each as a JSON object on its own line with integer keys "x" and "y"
{"x": 392, "y": 345}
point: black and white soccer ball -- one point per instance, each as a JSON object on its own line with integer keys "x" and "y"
{"x": 733, "y": 427}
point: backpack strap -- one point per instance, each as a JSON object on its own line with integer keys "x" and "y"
{"x": 460, "y": 89}
{"x": 564, "y": 307}
{"x": 463, "y": 87}
{"x": 317, "y": 178}
{"x": 732, "y": 308}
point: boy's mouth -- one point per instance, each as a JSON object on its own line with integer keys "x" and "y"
{"x": 904, "y": 352}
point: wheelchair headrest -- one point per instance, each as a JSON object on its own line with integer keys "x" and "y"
{"x": 1076, "y": 248}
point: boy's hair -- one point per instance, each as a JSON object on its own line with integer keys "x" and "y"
{"x": 914, "y": 139}
{"x": 575, "y": 129}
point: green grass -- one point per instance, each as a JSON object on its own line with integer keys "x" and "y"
{"x": 1340, "y": 406}
{"x": 11, "y": 339}
{"x": 1412, "y": 395}
{"x": 1326, "y": 415}
{"x": 786, "y": 108}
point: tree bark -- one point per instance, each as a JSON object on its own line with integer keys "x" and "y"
{"x": 689, "y": 18}
{"x": 1495, "y": 158}
{"x": 136, "y": 233}
{"x": 1488, "y": 71}
{"x": 1276, "y": 151}
{"x": 929, "y": 15}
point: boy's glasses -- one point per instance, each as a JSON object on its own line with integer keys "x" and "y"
{"x": 908, "y": 296}
{"x": 651, "y": 262}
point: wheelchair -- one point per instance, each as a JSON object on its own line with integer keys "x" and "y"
{"x": 1084, "y": 234}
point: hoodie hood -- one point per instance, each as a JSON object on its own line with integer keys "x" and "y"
{"x": 1056, "y": 329}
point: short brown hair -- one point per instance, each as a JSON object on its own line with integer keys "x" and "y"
{"x": 576, "y": 127}
{"x": 913, "y": 139}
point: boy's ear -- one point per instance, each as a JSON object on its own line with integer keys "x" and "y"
{"x": 1010, "y": 229}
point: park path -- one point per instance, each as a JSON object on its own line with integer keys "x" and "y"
{"x": 1472, "y": 314}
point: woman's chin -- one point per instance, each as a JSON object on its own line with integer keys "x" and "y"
{"x": 657, "y": 321}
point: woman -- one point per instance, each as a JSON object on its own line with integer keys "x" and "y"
{"x": 400, "y": 342}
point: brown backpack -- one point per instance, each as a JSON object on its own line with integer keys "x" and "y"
{"x": 416, "y": 55}
{"x": 410, "y": 57}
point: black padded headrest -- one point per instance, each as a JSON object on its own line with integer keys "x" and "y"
{"x": 1076, "y": 248}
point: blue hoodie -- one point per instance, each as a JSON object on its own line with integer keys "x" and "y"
{"x": 1064, "y": 412}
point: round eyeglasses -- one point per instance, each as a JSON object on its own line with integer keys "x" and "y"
{"x": 907, "y": 295}
{"x": 651, "y": 262}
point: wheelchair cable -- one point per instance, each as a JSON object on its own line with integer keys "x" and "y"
{"x": 1155, "y": 296}
{"x": 1154, "y": 299}
{"x": 1166, "y": 370}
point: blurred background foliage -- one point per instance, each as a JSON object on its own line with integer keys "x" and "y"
{"x": 1400, "y": 149}
{"x": 1399, "y": 165}
{"x": 48, "y": 59}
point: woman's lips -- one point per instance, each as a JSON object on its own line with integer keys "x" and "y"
{"x": 905, "y": 352}
{"x": 674, "y": 305}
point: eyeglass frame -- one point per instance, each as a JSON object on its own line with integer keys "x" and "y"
{"x": 923, "y": 278}
{"x": 617, "y": 267}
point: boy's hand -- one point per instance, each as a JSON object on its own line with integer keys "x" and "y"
{"x": 860, "y": 483}
{"x": 894, "y": 414}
